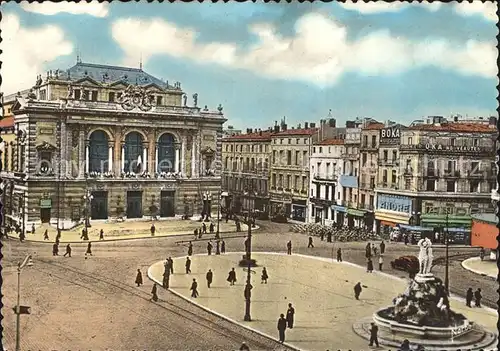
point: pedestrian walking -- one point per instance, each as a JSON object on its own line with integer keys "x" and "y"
{"x": 310, "y": 244}
{"x": 406, "y": 239}
{"x": 368, "y": 251}
{"x": 212, "y": 228}
{"x": 89, "y": 249}
{"x": 138, "y": 278}
{"x": 369, "y": 266}
{"x": 373, "y": 335}
{"x": 68, "y": 251}
{"x": 322, "y": 235}
{"x": 153, "y": 229}
{"x": 21, "y": 236}
{"x": 282, "y": 327}
{"x": 200, "y": 232}
{"x": 204, "y": 228}
{"x": 357, "y": 290}
{"x": 55, "y": 249}
{"x": 478, "y": 297}
{"x": 171, "y": 264}
{"x": 217, "y": 247}
{"x": 231, "y": 278}
{"x": 339, "y": 255}
{"x": 46, "y": 235}
{"x": 290, "y": 314}
{"x": 209, "y": 248}
{"x": 166, "y": 276}
{"x": 380, "y": 262}
{"x": 101, "y": 234}
{"x": 190, "y": 249}
{"x": 209, "y": 277}
{"x": 289, "y": 247}
{"x": 188, "y": 265}
{"x": 33, "y": 228}
{"x": 223, "y": 247}
{"x": 374, "y": 250}
{"x": 154, "y": 293}
{"x": 329, "y": 237}
{"x": 481, "y": 254}
{"x": 468, "y": 297}
{"x": 244, "y": 346}
{"x": 195, "y": 234}
{"x": 194, "y": 289}
{"x": 264, "y": 277}
{"x": 382, "y": 247}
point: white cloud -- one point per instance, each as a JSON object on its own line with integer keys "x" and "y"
{"x": 25, "y": 51}
{"x": 77, "y": 8}
{"x": 487, "y": 10}
{"x": 373, "y": 7}
{"x": 318, "y": 52}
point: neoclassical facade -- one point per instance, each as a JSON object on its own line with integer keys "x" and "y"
{"x": 114, "y": 140}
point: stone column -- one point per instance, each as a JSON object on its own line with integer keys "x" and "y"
{"x": 110, "y": 157}
{"x": 87, "y": 160}
{"x": 182, "y": 155}
{"x": 177, "y": 161}
{"x": 193, "y": 159}
{"x": 144, "y": 165}
{"x": 123, "y": 158}
{"x": 156, "y": 159}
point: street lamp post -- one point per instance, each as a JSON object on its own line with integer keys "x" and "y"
{"x": 248, "y": 285}
{"x": 446, "y": 272}
{"x": 217, "y": 233}
{"x": 87, "y": 198}
{"x": 27, "y": 262}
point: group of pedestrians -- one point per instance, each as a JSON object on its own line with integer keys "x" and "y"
{"x": 55, "y": 249}
{"x": 284, "y": 323}
{"x": 470, "y": 295}
{"x": 371, "y": 251}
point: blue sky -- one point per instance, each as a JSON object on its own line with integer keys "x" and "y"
{"x": 392, "y": 61}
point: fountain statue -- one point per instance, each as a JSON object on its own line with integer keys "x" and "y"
{"x": 422, "y": 312}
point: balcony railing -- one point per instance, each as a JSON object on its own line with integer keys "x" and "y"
{"x": 388, "y": 162}
{"x": 325, "y": 176}
{"x": 432, "y": 173}
{"x": 352, "y": 157}
{"x": 448, "y": 173}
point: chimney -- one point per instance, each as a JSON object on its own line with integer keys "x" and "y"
{"x": 492, "y": 122}
{"x": 260, "y": 132}
{"x": 306, "y": 125}
{"x": 332, "y": 123}
{"x": 455, "y": 118}
{"x": 299, "y": 126}
{"x": 276, "y": 129}
{"x": 313, "y": 125}
{"x": 293, "y": 127}
{"x": 284, "y": 126}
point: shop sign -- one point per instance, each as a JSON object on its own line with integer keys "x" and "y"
{"x": 390, "y": 135}
{"x": 440, "y": 147}
{"x": 339, "y": 208}
{"x": 354, "y": 212}
{"x": 394, "y": 203}
{"x": 46, "y": 203}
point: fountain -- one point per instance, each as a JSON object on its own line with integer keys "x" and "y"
{"x": 422, "y": 314}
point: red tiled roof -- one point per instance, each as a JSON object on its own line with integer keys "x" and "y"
{"x": 332, "y": 141}
{"x": 251, "y": 136}
{"x": 456, "y": 127}
{"x": 7, "y": 122}
{"x": 303, "y": 131}
{"x": 375, "y": 126}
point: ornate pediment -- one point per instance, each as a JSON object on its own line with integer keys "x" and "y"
{"x": 87, "y": 81}
{"x": 45, "y": 146}
{"x": 120, "y": 84}
{"x": 153, "y": 87}
{"x": 135, "y": 97}
{"x": 207, "y": 151}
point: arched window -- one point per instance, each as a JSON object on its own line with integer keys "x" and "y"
{"x": 98, "y": 152}
{"x": 133, "y": 153}
{"x": 166, "y": 153}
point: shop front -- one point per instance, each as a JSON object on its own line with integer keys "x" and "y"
{"x": 385, "y": 221}
{"x": 484, "y": 231}
{"x": 299, "y": 212}
{"x": 355, "y": 218}
{"x": 281, "y": 205}
{"x": 339, "y": 214}
{"x": 442, "y": 220}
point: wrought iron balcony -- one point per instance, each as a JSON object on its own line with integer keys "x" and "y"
{"x": 448, "y": 173}
{"x": 325, "y": 177}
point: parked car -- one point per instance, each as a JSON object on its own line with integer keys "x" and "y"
{"x": 406, "y": 263}
{"x": 279, "y": 218}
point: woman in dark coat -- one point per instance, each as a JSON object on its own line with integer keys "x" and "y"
{"x": 264, "y": 276}
{"x": 154, "y": 293}
{"x": 190, "y": 249}
{"x": 101, "y": 235}
{"x": 223, "y": 247}
{"x": 138, "y": 278}
{"x": 194, "y": 289}
{"x": 369, "y": 266}
{"x": 232, "y": 277}
{"x": 89, "y": 249}
{"x": 357, "y": 290}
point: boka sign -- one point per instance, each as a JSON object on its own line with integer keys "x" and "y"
{"x": 390, "y": 135}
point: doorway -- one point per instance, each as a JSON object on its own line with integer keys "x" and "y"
{"x": 45, "y": 215}
{"x": 99, "y": 205}
{"x": 134, "y": 204}
{"x": 167, "y": 204}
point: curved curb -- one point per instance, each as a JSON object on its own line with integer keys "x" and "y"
{"x": 125, "y": 239}
{"x": 324, "y": 259}
{"x": 465, "y": 265}
{"x": 267, "y": 336}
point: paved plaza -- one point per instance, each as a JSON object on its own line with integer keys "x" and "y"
{"x": 487, "y": 267}
{"x": 320, "y": 289}
{"x": 131, "y": 230}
